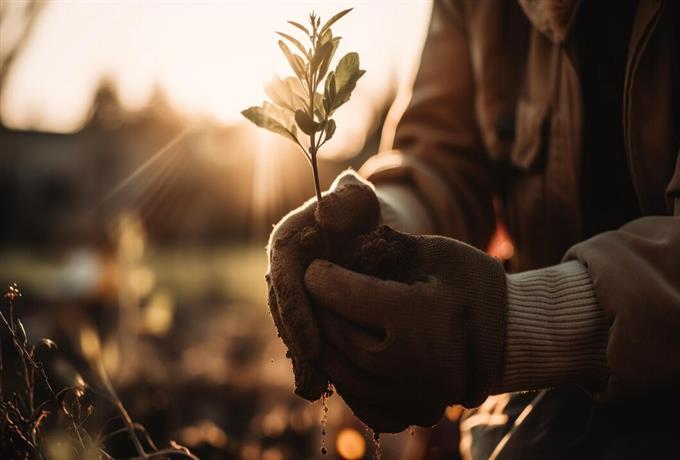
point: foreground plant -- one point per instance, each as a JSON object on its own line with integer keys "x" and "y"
{"x": 297, "y": 110}
{"x": 39, "y": 421}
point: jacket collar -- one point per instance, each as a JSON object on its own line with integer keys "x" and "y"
{"x": 553, "y": 18}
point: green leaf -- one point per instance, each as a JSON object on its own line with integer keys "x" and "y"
{"x": 299, "y": 92}
{"x": 305, "y": 122}
{"x": 327, "y": 99}
{"x": 319, "y": 106}
{"x": 321, "y": 55}
{"x": 295, "y": 61}
{"x": 331, "y": 86}
{"x": 329, "y": 93}
{"x": 299, "y": 26}
{"x": 333, "y": 20}
{"x": 273, "y": 119}
{"x": 325, "y": 64}
{"x": 330, "y": 129}
{"x": 295, "y": 42}
{"x": 287, "y": 93}
{"x": 295, "y": 86}
{"x": 281, "y": 93}
{"x": 348, "y": 65}
{"x": 286, "y": 118}
{"x": 347, "y": 73}
{"x": 325, "y": 37}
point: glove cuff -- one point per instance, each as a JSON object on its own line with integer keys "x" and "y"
{"x": 557, "y": 333}
{"x": 485, "y": 286}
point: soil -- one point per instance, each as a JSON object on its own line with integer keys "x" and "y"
{"x": 381, "y": 253}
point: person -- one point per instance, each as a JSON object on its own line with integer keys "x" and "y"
{"x": 566, "y": 115}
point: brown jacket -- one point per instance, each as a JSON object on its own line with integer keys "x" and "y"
{"x": 498, "y": 90}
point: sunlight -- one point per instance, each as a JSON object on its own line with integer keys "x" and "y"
{"x": 212, "y": 58}
{"x": 267, "y": 181}
{"x": 147, "y": 164}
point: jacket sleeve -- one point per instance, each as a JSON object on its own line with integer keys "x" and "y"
{"x": 438, "y": 150}
{"x": 636, "y": 277}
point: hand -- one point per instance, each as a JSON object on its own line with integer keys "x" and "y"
{"x": 348, "y": 209}
{"x": 400, "y": 352}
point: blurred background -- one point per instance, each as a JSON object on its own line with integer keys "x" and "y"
{"x": 136, "y": 202}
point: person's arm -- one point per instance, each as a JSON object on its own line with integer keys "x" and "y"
{"x": 635, "y": 273}
{"x": 556, "y": 332}
{"x": 458, "y": 328}
{"x": 607, "y": 318}
{"x": 439, "y": 157}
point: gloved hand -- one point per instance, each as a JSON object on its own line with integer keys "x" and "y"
{"x": 400, "y": 352}
{"x": 349, "y": 208}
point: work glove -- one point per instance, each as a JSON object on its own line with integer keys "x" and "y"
{"x": 348, "y": 209}
{"x": 399, "y": 352}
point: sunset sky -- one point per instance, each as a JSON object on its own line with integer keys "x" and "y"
{"x": 212, "y": 58}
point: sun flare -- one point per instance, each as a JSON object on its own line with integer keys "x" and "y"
{"x": 211, "y": 58}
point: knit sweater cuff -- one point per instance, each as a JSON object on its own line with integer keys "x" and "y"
{"x": 556, "y": 331}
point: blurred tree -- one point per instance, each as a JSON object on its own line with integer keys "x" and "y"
{"x": 106, "y": 112}
{"x": 17, "y": 22}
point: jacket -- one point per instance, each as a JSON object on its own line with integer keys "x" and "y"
{"x": 496, "y": 114}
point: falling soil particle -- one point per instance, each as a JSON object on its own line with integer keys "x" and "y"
{"x": 324, "y": 416}
{"x": 376, "y": 443}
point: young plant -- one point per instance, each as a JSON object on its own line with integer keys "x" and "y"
{"x": 297, "y": 109}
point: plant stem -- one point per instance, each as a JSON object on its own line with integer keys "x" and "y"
{"x": 317, "y": 188}
{"x": 315, "y": 171}
{"x": 312, "y": 138}
{"x": 312, "y": 83}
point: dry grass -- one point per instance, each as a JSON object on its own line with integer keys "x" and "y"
{"x": 38, "y": 421}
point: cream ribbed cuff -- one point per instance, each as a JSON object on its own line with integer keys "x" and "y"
{"x": 556, "y": 332}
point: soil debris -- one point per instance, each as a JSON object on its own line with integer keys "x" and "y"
{"x": 376, "y": 443}
{"x": 324, "y": 416}
{"x": 381, "y": 253}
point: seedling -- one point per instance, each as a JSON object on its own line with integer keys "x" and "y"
{"x": 297, "y": 110}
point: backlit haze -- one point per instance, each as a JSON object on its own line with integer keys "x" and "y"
{"x": 211, "y": 58}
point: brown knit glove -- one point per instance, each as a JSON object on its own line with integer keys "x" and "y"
{"x": 400, "y": 352}
{"x": 348, "y": 209}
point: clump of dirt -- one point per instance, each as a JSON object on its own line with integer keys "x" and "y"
{"x": 383, "y": 253}
{"x": 346, "y": 232}
{"x": 350, "y": 209}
